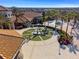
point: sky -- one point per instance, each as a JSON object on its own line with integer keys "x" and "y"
{"x": 40, "y": 3}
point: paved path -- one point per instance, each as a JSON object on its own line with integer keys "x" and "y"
{"x": 47, "y": 49}
{"x": 22, "y": 30}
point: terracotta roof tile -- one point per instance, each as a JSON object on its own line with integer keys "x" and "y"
{"x": 10, "y": 41}
{"x": 9, "y": 45}
{"x": 28, "y": 15}
{"x": 9, "y": 32}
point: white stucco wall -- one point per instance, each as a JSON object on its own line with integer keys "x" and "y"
{"x": 9, "y": 14}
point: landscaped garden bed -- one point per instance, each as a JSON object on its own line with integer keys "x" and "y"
{"x": 64, "y": 37}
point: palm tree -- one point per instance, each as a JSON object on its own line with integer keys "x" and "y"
{"x": 43, "y": 16}
{"x": 73, "y": 17}
{"x": 62, "y": 16}
{"x": 48, "y": 15}
{"x": 1, "y": 21}
{"x": 68, "y": 17}
{"x": 17, "y": 13}
{"x": 13, "y": 25}
{"x": 68, "y": 20}
{"x": 8, "y": 24}
{"x": 14, "y": 12}
{"x": 19, "y": 16}
{"x": 77, "y": 20}
{"x": 56, "y": 15}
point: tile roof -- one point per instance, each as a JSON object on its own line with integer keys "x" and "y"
{"x": 9, "y": 32}
{"x": 28, "y": 15}
{"x": 9, "y": 43}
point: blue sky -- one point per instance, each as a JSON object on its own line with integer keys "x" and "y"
{"x": 40, "y": 3}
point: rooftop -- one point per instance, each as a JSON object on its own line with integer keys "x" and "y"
{"x": 28, "y": 16}
{"x": 10, "y": 41}
{"x": 9, "y": 32}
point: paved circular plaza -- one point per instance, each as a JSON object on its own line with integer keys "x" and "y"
{"x": 48, "y": 49}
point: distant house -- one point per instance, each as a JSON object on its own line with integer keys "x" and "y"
{"x": 26, "y": 19}
{"x": 33, "y": 17}
{"x": 7, "y": 13}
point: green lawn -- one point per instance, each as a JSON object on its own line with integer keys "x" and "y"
{"x": 49, "y": 35}
{"x": 28, "y": 33}
{"x": 37, "y": 38}
{"x": 45, "y": 34}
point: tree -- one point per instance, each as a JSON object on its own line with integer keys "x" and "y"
{"x": 69, "y": 16}
{"x": 68, "y": 20}
{"x": 56, "y": 15}
{"x": 1, "y": 20}
{"x": 8, "y": 24}
{"x": 63, "y": 18}
{"x": 19, "y": 14}
{"x": 43, "y": 16}
{"x": 77, "y": 20}
{"x": 14, "y": 12}
{"x": 48, "y": 15}
{"x": 73, "y": 17}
